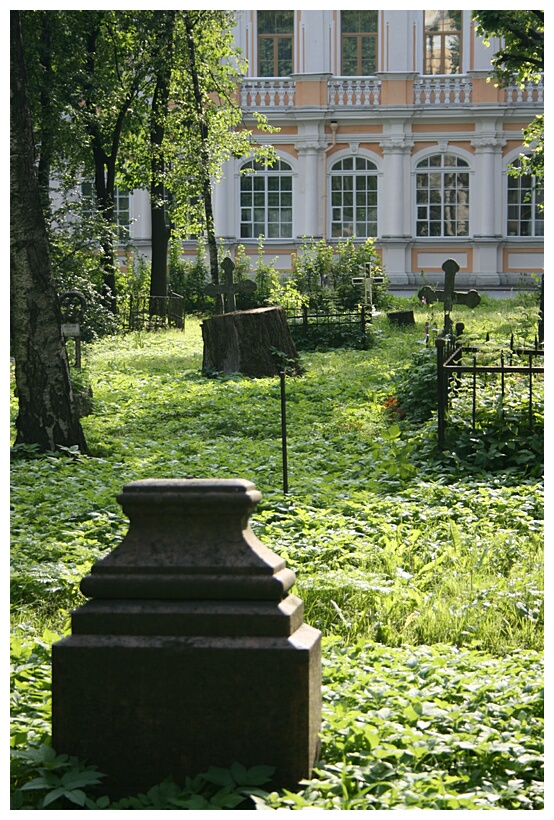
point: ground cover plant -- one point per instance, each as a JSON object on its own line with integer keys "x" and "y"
{"x": 422, "y": 569}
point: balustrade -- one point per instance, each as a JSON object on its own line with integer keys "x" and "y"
{"x": 354, "y": 91}
{"x": 271, "y": 92}
{"x": 442, "y": 90}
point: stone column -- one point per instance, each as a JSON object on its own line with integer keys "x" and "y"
{"x": 486, "y": 207}
{"x": 396, "y": 211}
{"x": 307, "y": 209}
{"x": 191, "y": 653}
{"x": 487, "y": 198}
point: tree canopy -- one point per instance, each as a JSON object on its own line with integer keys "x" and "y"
{"x": 139, "y": 99}
{"x": 519, "y": 60}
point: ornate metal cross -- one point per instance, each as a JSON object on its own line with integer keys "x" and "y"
{"x": 229, "y": 288}
{"x": 449, "y": 296}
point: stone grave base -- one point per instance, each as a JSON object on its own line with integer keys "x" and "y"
{"x": 401, "y": 317}
{"x": 140, "y": 707}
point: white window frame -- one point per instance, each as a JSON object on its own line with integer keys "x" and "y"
{"x": 468, "y": 169}
{"x": 271, "y": 172}
{"x": 513, "y": 158}
{"x": 117, "y": 210}
{"x": 331, "y": 174}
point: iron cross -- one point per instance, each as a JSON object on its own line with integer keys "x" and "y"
{"x": 229, "y": 288}
{"x": 449, "y": 296}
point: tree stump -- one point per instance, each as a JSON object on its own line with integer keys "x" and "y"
{"x": 255, "y": 342}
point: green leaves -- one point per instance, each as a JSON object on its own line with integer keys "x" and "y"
{"x": 61, "y": 777}
{"x": 424, "y": 574}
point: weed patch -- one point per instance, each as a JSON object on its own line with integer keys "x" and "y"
{"x": 406, "y": 558}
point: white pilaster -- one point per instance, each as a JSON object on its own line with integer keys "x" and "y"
{"x": 309, "y": 187}
{"x": 487, "y": 194}
{"x": 397, "y": 196}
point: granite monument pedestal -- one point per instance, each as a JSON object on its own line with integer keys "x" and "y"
{"x": 191, "y": 653}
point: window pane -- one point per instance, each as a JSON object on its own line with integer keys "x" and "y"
{"x": 368, "y": 55}
{"x": 349, "y": 56}
{"x": 275, "y": 22}
{"x": 284, "y": 57}
{"x": 358, "y": 21}
{"x": 266, "y": 57}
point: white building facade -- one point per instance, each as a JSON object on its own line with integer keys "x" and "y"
{"x": 388, "y": 129}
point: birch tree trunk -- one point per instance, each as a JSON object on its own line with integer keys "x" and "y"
{"x": 47, "y": 411}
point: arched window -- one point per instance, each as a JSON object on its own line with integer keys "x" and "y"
{"x": 525, "y": 214}
{"x": 354, "y": 198}
{"x": 442, "y": 196}
{"x": 266, "y": 200}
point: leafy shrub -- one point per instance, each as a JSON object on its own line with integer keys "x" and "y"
{"x": 350, "y": 261}
{"x": 328, "y": 336}
{"x": 416, "y": 385}
{"x": 134, "y": 279}
{"x": 311, "y": 272}
{"x": 508, "y": 436}
{"x": 75, "y": 258}
{"x": 189, "y": 279}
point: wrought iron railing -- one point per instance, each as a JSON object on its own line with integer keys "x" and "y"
{"x": 151, "y": 312}
{"x": 453, "y": 361}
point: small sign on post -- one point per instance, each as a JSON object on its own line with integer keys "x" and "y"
{"x": 72, "y": 307}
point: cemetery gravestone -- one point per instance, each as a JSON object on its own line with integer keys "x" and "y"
{"x": 449, "y": 296}
{"x": 192, "y": 652}
{"x": 229, "y": 288}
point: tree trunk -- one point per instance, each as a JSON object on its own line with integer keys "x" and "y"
{"x": 47, "y": 411}
{"x": 46, "y": 113}
{"x": 158, "y": 113}
{"x": 204, "y": 165}
{"x": 254, "y": 342}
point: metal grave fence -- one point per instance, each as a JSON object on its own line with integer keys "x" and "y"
{"x": 455, "y": 360}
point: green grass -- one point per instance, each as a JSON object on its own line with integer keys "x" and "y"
{"x": 400, "y": 551}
